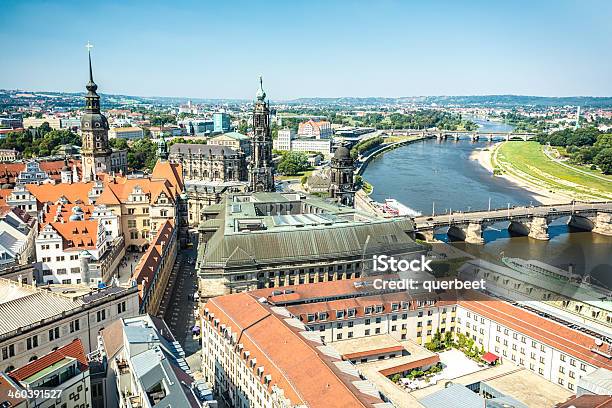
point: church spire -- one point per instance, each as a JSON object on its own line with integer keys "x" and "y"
{"x": 92, "y": 99}
{"x": 261, "y": 94}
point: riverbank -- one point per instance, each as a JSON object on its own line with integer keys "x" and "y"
{"x": 521, "y": 166}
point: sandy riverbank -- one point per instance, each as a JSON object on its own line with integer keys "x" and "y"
{"x": 484, "y": 158}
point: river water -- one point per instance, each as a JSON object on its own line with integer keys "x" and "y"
{"x": 439, "y": 176}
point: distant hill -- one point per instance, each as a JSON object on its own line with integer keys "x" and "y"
{"x": 470, "y": 100}
{"x": 7, "y": 97}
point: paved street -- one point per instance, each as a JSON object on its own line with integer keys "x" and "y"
{"x": 178, "y": 305}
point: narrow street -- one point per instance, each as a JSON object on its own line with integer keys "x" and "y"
{"x": 179, "y": 305}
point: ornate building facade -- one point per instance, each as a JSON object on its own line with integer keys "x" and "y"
{"x": 208, "y": 162}
{"x": 261, "y": 169}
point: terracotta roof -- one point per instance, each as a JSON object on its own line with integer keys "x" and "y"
{"x": 4, "y": 193}
{"x": 78, "y": 235}
{"x": 562, "y": 338}
{"x": 587, "y": 401}
{"x": 304, "y": 373}
{"x": 121, "y": 187}
{"x": 145, "y": 270}
{"x": 374, "y": 352}
{"x": 6, "y": 386}
{"x": 51, "y": 193}
{"x": 427, "y": 361}
{"x": 74, "y": 350}
{"x": 65, "y": 211}
{"x": 173, "y": 172}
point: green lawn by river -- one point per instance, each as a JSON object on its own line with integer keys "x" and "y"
{"x": 527, "y": 161}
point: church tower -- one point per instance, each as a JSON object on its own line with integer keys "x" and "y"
{"x": 95, "y": 152}
{"x": 261, "y": 170}
{"x": 342, "y": 187}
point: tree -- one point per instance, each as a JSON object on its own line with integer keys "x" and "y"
{"x": 293, "y": 163}
{"x": 604, "y": 160}
{"x": 43, "y": 129}
{"x": 118, "y": 143}
{"x": 142, "y": 155}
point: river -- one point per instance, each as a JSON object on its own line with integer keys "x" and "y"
{"x": 439, "y": 176}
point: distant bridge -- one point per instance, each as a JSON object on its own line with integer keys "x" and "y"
{"x": 530, "y": 221}
{"x": 463, "y": 134}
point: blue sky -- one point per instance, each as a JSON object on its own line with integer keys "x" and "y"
{"x": 217, "y": 49}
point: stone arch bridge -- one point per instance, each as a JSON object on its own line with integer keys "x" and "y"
{"x": 530, "y": 221}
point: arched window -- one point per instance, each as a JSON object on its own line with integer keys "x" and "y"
{"x": 9, "y": 369}
{"x": 36, "y": 358}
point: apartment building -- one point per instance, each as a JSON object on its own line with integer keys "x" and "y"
{"x": 8, "y": 155}
{"x": 153, "y": 270}
{"x": 144, "y": 204}
{"x": 257, "y": 355}
{"x": 57, "y": 379}
{"x": 129, "y": 133}
{"x": 237, "y": 141}
{"x": 36, "y": 320}
{"x": 147, "y": 368}
{"x": 64, "y": 251}
{"x": 315, "y": 129}
{"x": 288, "y": 141}
{"x": 351, "y": 309}
{"x": 554, "y": 351}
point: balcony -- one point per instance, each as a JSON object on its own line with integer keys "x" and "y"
{"x": 134, "y": 402}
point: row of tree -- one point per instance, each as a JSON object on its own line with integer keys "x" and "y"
{"x": 586, "y": 146}
{"x": 40, "y": 142}
{"x": 366, "y": 145}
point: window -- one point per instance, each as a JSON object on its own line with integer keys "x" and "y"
{"x": 75, "y": 325}
{"x": 131, "y": 211}
{"x": 121, "y": 307}
{"x": 131, "y": 223}
{"x": 562, "y": 369}
{"x": 339, "y": 325}
{"x": 562, "y": 357}
{"x": 367, "y": 332}
{"x": 339, "y": 336}
{"x": 31, "y": 342}
{"x": 100, "y": 315}
{"x": 54, "y": 334}
{"x": 583, "y": 367}
{"x": 8, "y": 351}
{"x": 367, "y": 321}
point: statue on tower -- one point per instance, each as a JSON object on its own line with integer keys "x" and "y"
{"x": 261, "y": 169}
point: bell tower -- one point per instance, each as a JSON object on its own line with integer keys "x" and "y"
{"x": 261, "y": 169}
{"x": 95, "y": 152}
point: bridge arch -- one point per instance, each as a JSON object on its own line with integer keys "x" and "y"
{"x": 456, "y": 233}
{"x": 581, "y": 223}
{"x": 517, "y": 228}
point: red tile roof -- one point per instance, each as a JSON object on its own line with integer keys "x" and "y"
{"x": 294, "y": 364}
{"x": 144, "y": 273}
{"x": 78, "y": 235}
{"x": 587, "y": 401}
{"x": 74, "y": 350}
